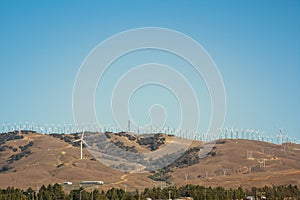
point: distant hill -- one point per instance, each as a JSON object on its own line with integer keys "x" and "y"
{"x": 30, "y": 159}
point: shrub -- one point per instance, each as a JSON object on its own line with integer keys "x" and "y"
{"x": 4, "y": 168}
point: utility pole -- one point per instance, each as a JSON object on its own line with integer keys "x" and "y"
{"x": 139, "y": 194}
{"x": 249, "y": 154}
{"x": 263, "y": 160}
{"x": 186, "y": 176}
{"x": 206, "y": 175}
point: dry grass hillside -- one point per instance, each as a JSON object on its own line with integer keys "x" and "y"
{"x": 30, "y": 159}
{"x": 244, "y": 163}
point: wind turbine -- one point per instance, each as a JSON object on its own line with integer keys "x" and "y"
{"x": 231, "y": 133}
{"x": 242, "y": 133}
{"x": 31, "y": 126}
{"x": 237, "y": 133}
{"x": 262, "y": 136}
{"x": 4, "y": 130}
{"x": 81, "y": 144}
{"x": 220, "y": 133}
{"x": 226, "y": 131}
{"x": 281, "y": 136}
{"x": 252, "y": 134}
{"x": 247, "y": 134}
{"x": 257, "y": 133}
{"x": 287, "y": 138}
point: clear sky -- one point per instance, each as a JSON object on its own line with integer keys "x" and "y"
{"x": 255, "y": 44}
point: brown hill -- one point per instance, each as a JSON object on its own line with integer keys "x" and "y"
{"x": 245, "y": 163}
{"x": 30, "y": 159}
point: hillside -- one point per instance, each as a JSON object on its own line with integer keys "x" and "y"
{"x": 30, "y": 159}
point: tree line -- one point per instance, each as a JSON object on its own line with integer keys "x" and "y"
{"x": 197, "y": 192}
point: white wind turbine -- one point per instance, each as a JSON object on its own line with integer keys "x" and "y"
{"x": 242, "y": 133}
{"x": 237, "y": 133}
{"x": 231, "y": 133}
{"x": 81, "y": 144}
{"x": 287, "y": 138}
{"x": 281, "y": 136}
{"x": 252, "y": 134}
{"x": 226, "y": 132}
{"x": 262, "y": 136}
{"x": 257, "y": 133}
{"x": 220, "y": 133}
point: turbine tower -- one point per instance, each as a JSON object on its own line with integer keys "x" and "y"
{"x": 81, "y": 144}
{"x": 128, "y": 129}
{"x": 281, "y": 136}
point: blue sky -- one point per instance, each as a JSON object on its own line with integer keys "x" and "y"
{"x": 255, "y": 44}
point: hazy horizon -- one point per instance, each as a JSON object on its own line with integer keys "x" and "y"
{"x": 255, "y": 46}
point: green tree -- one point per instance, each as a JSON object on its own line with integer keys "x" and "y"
{"x": 112, "y": 194}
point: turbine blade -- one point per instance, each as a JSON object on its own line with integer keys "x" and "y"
{"x": 86, "y": 143}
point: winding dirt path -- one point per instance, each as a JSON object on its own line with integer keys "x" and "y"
{"x": 123, "y": 179}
